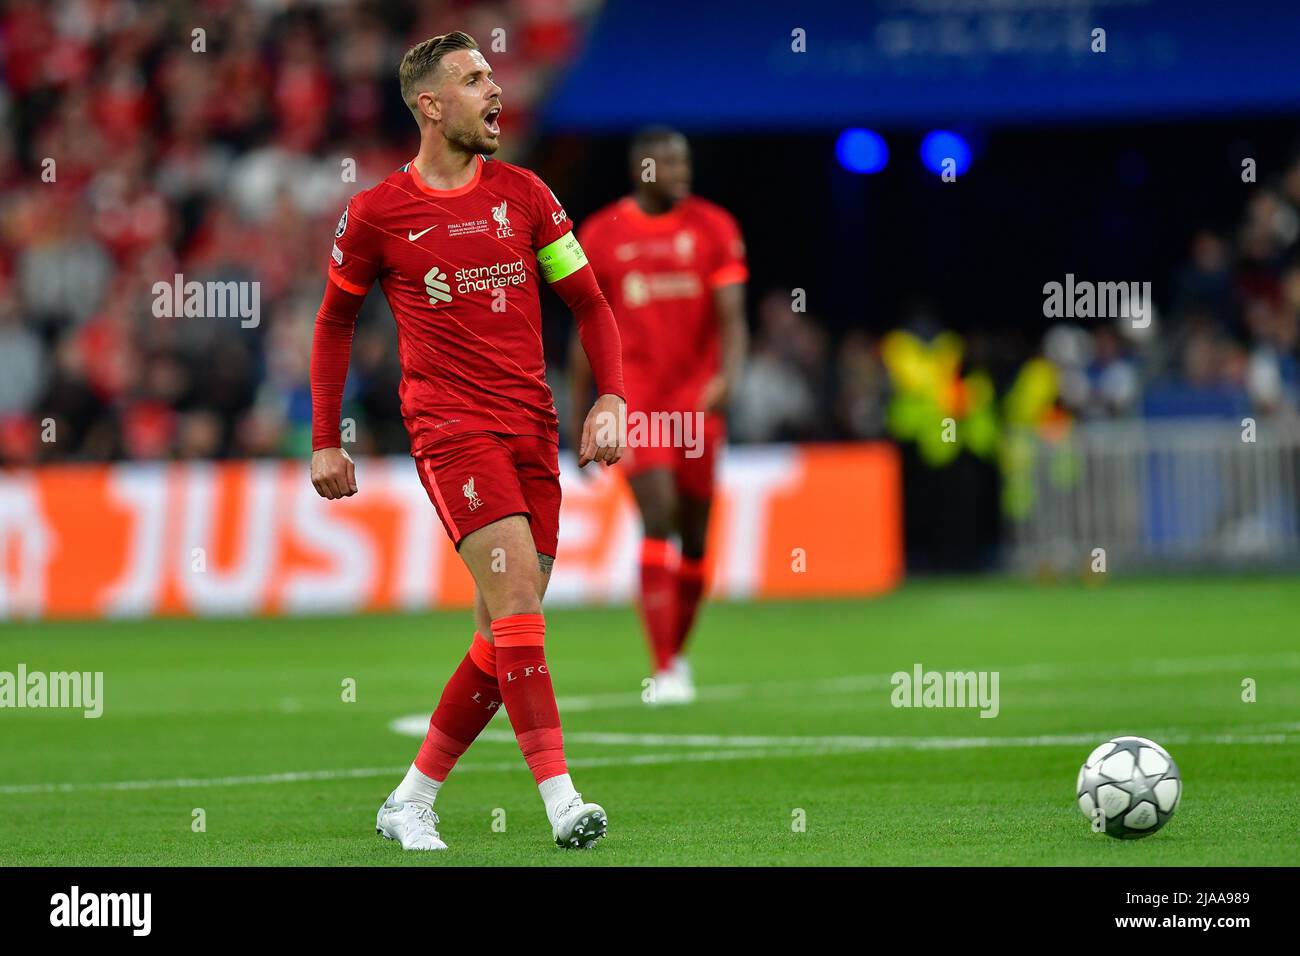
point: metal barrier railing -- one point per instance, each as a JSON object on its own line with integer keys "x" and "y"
{"x": 1177, "y": 493}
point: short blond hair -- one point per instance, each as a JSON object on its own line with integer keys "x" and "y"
{"x": 423, "y": 59}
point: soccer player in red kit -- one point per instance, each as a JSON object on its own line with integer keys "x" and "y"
{"x": 459, "y": 244}
{"x": 673, "y": 267}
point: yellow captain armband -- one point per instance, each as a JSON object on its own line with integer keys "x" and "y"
{"x": 561, "y": 258}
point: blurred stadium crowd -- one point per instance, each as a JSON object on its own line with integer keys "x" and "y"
{"x": 230, "y": 164}
{"x": 220, "y": 156}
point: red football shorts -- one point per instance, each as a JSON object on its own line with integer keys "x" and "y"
{"x": 476, "y": 478}
{"x": 692, "y": 467}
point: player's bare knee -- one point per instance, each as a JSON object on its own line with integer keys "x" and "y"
{"x": 519, "y": 598}
{"x": 482, "y": 619}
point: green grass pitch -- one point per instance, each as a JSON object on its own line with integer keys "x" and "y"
{"x": 245, "y": 719}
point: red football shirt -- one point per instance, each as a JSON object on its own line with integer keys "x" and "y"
{"x": 460, "y": 272}
{"x": 659, "y": 274}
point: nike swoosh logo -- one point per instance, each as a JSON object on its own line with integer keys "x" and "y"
{"x": 412, "y": 236}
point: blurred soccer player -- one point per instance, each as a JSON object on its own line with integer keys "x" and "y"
{"x": 458, "y": 245}
{"x": 673, "y": 265}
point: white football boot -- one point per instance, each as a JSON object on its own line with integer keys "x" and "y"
{"x": 413, "y": 825}
{"x": 685, "y": 679}
{"x": 670, "y": 690}
{"x": 665, "y": 689}
{"x": 578, "y": 824}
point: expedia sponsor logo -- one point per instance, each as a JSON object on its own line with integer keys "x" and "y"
{"x": 496, "y": 276}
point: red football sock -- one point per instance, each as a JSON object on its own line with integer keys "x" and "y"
{"x": 525, "y": 683}
{"x": 659, "y": 599}
{"x": 468, "y": 702}
{"x": 690, "y": 588}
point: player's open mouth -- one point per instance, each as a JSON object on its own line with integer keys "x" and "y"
{"x": 490, "y": 121}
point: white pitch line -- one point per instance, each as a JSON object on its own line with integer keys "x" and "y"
{"x": 729, "y": 748}
{"x": 186, "y": 783}
{"x": 742, "y": 747}
{"x": 722, "y": 692}
{"x": 843, "y": 742}
{"x": 850, "y": 683}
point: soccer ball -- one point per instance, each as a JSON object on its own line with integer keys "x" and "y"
{"x": 1130, "y": 783}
